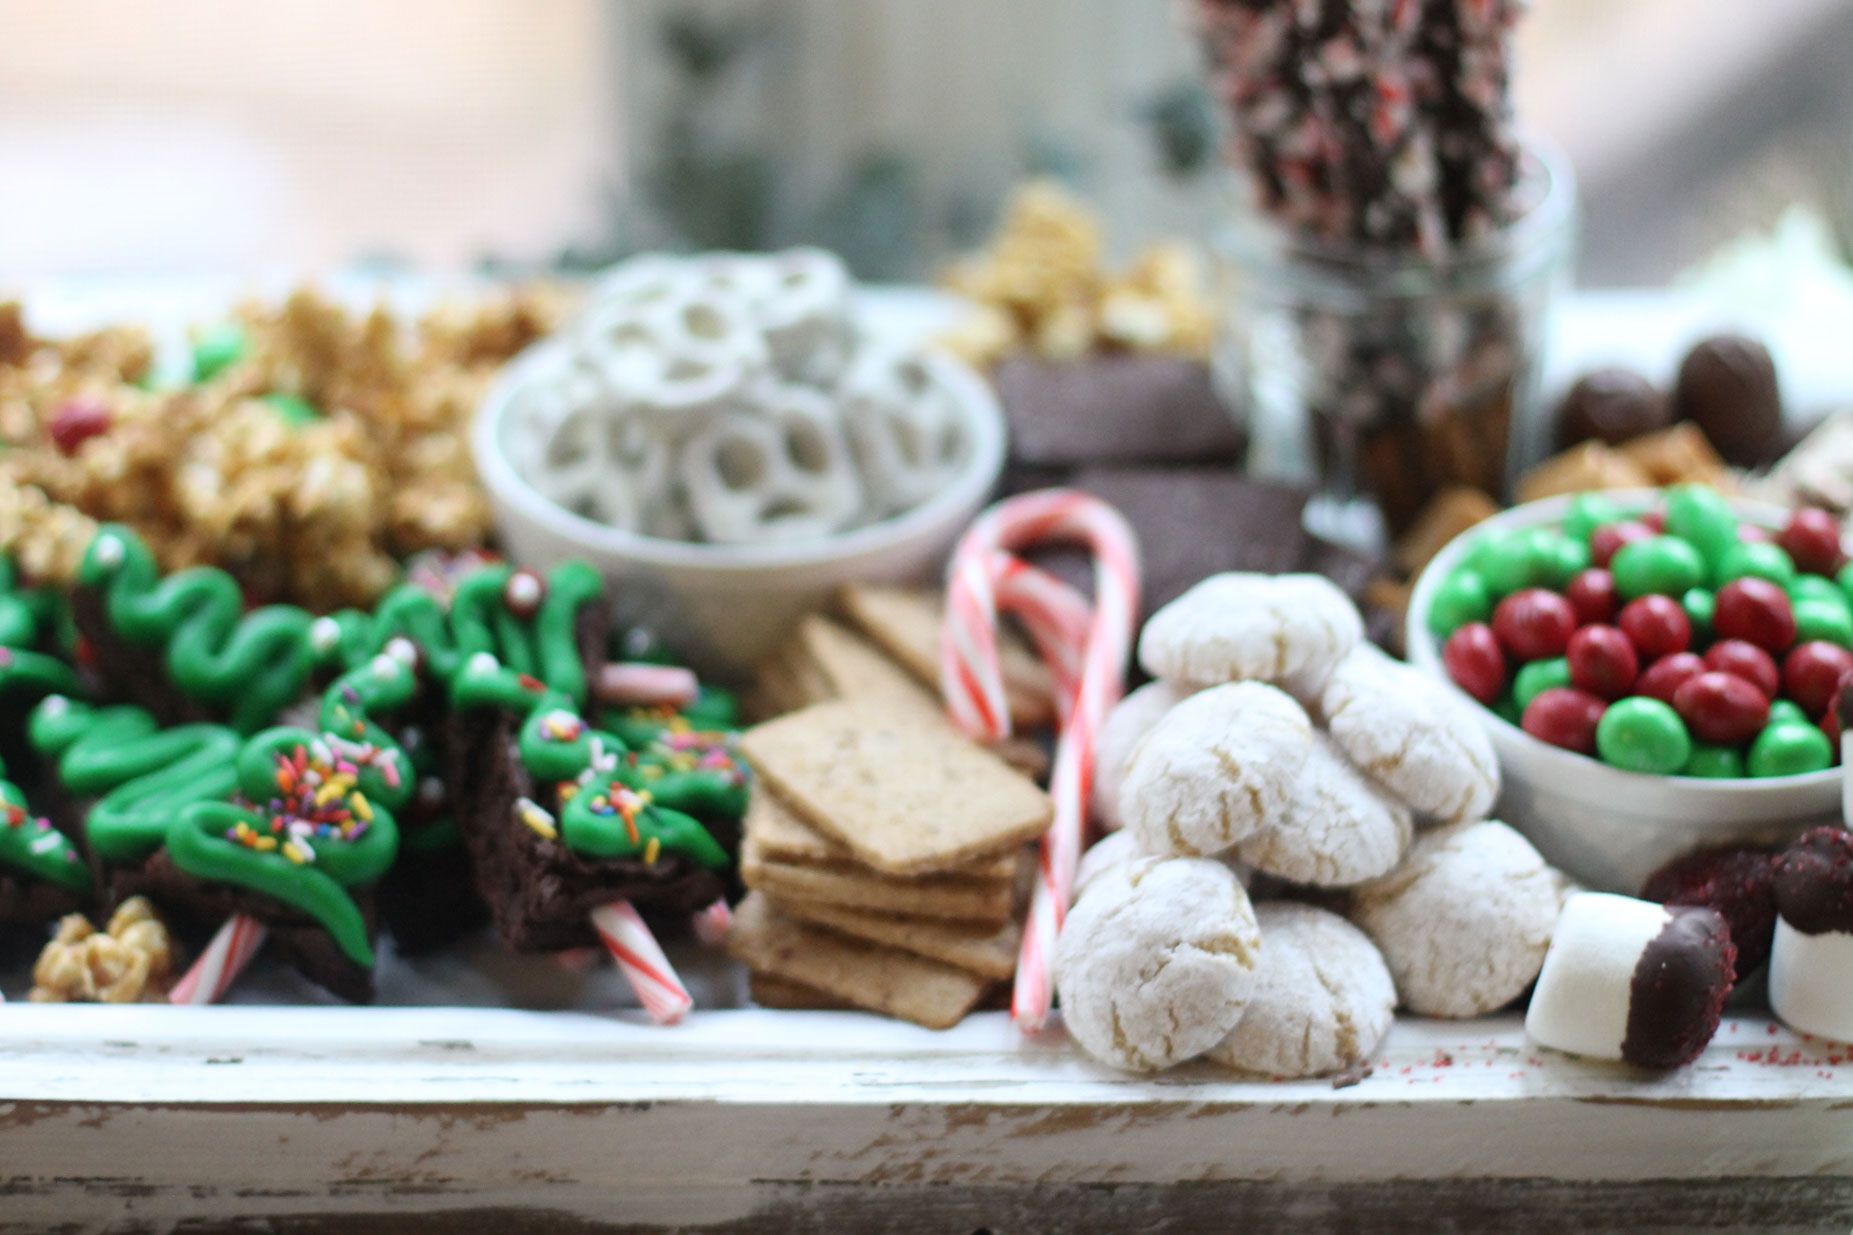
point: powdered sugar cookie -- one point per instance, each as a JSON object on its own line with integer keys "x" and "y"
{"x": 1464, "y": 922}
{"x": 1323, "y": 997}
{"x": 1215, "y": 769}
{"x": 1411, "y": 733}
{"x": 1156, "y": 962}
{"x": 1250, "y": 627}
{"x": 1113, "y": 849}
{"x": 1338, "y": 829}
{"x": 1120, "y": 734}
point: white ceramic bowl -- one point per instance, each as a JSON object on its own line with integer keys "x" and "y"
{"x": 1606, "y": 827}
{"x": 728, "y": 606}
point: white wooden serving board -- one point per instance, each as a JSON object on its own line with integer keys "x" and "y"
{"x": 142, "y": 1117}
{"x": 493, "y": 1093}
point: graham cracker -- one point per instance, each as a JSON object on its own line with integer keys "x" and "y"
{"x": 853, "y": 668}
{"x": 903, "y": 796}
{"x": 989, "y": 952}
{"x": 780, "y": 836}
{"x": 787, "y": 996}
{"x": 905, "y": 623}
{"x": 950, "y": 897}
{"x": 886, "y": 980}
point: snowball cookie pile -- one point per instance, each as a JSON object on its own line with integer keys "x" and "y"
{"x": 731, "y": 397}
{"x": 1275, "y": 738}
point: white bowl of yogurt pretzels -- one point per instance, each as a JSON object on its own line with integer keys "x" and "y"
{"x": 729, "y": 438}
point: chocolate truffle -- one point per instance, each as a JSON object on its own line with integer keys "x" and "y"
{"x": 1611, "y": 406}
{"x": 1737, "y": 882}
{"x": 1727, "y": 386}
{"x": 1811, "y": 963}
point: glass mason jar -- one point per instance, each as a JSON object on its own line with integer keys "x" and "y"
{"x": 1381, "y": 376}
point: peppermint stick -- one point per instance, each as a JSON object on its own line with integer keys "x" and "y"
{"x": 641, "y": 959}
{"x": 237, "y": 941}
{"x": 1086, "y": 652}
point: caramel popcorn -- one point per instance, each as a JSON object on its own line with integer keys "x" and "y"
{"x": 328, "y": 446}
{"x": 1042, "y": 285}
{"x": 130, "y": 962}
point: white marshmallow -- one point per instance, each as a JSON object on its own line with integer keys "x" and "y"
{"x": 1581, "y": 1002}
{"x": 1811, "y": 981}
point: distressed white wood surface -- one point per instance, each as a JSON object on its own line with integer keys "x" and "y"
{"x": 157, "y": 1113}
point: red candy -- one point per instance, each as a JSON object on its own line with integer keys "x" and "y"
{"x": 1474, "y": 660}
{"x": 1755, "y": 610}
{"x": 1665, "y": 676}
{"x": 1747, "y": 661}
{"x": 1721, "y": 708}
{"x": 1655, "y": 522}
{"x": 1534, "y": 624}
{"x": 1812, "y": 673}
{"x": 1606, "y": 541}
{"x": 1656, "y": 625}
{"x": 1564, "y": 717}
{"x": 1592, "y": 594}
{"x": 76, "y": 422}
{"x": 1602, "y": 661}
{"x": 1812, "y": 539}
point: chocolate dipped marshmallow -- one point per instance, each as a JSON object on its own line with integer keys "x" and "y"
{"x": 1811, "y": 960}
{"x": 1631, "y": 980}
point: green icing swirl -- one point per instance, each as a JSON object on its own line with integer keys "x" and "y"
{"x": 29, "y": 618}
{"x": 30, "y": 845}
{"x": 610, "y": 811}
{"x": 313, "y": 817}
{"x": 249, "y": 664}
{"x": 144, "y": 774}
{"x": 543, "y": 647}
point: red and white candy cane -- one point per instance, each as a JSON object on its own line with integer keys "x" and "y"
{"x": 642, "y": 962}
{"x": 231, "y": 949}
{"x": 1086, "y": 652}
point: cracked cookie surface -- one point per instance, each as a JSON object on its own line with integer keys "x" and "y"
{"x": 1157, "y": 961}
{"x": 1216, "y": 769}
{"x": 1323, "y": 997}
{"x": 1240, "y": 627}
{"x": 1464, "y": 921}
{"x": 1411, "y": 734}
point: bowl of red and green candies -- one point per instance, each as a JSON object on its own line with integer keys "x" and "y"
{"x": 1658, "y": 671}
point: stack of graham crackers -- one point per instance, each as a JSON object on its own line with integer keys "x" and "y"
{"x": 886, "y": 646}
{"x": 886, "y": 856}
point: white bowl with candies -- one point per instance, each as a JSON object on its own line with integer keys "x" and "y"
{"x": 729, "y": 437}
{"x": 1658, "y": 671}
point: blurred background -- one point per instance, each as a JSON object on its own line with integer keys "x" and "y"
{"x": 224, "y": 136}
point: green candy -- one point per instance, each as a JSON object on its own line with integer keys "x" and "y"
{"x": 1786, "y": 711}
{"x": 1508, "y": 709}
{"x": 1698, "y": 604}
{"x": 1663, "y": 565}
{"x": 1537, "y": 677}
{"x": 1845, "y": 580}
{"x": 1643, "y": 735}
{"x": 1589, "y": 511}
{"x": 294, "y": 410}
{"x": 216, "y": 349}
{"x": 1788, "y": 749}
{"x": 1521, "y": 560}
{"x": 1568, "y": 557}
{"x": 1756, "y": 559}
{"x": 1823, "y": 619}
{"x": 1814, "y": 587}
{"x": 1714, "y": 762}
{"x": 1702, "y": 518}
{"x": 1461, "y": 598}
